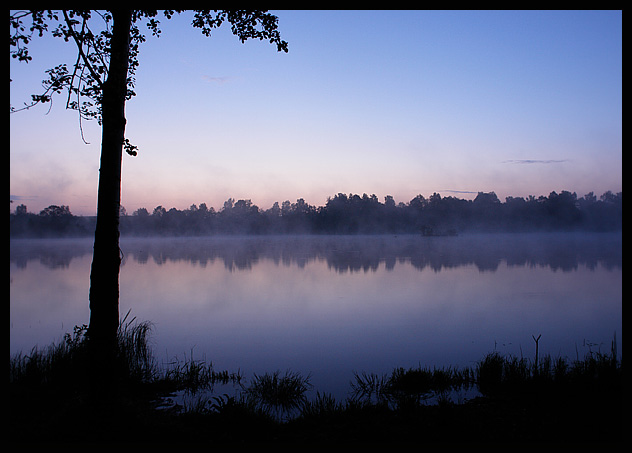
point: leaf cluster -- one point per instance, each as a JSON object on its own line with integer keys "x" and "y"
{"x": 83, "y": 80}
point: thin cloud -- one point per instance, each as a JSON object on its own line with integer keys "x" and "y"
{"x": 15, "y": 198}
{"x": 218, "y": 80}
{"x": 458, "y": 191}
{"x": 534, "y": 161}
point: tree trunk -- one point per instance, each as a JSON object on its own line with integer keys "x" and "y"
{"x": 106, "y": 260}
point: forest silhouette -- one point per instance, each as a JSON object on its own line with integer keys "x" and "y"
{"x": 346, "y": 214}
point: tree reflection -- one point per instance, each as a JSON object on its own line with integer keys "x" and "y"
{"x": 559, "y": 251}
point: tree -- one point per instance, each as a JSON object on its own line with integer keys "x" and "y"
{"x": 55, "y": 211}
{"x": 103, "y": 76}
{"x": 21, "y": 210}
{"x": 141, "y": 212}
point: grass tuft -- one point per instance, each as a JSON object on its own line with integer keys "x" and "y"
{"x": 276, "y": 395}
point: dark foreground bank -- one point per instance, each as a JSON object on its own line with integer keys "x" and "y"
{"x": 522, "y": 400}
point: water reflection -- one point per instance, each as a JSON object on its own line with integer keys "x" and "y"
{"x": 331, "y": 305}
{"x": 558, "y": 251}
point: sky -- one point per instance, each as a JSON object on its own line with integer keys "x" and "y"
{"x": 394, "y": 103}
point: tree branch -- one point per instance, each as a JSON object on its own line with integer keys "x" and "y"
{"x": 74, "y": 72}
{"x": 80, "y": 48}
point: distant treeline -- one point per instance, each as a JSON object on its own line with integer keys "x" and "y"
{"x": 347, "y": 214}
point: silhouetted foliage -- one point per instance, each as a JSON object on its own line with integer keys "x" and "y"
{"x": 348, "y": 214}
{"x": 53, "y": 221}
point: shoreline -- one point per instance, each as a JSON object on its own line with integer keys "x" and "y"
{"x": 522, "y": 400}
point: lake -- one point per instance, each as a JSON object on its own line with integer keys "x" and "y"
{"x": 331, "y": 305}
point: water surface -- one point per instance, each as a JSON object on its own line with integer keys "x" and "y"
{"x": 331, "y": 305}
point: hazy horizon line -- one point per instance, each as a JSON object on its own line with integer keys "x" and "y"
{"x": 19, "y": 198}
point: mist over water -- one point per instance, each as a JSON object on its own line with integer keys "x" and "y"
{"x": 331, "y": 305}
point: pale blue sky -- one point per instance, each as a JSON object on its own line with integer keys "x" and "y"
{"x": 380, "y": 102}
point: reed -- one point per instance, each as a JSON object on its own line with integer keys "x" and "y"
{"x": 496, "y": 374}
{"x": 135, "y": 355}
{"x": 276, "y": 395}
{"x": 368, "y": 387}
{"x": 193, "y": 376}
{"x": 324, "y": 405}
{"x": 409, "y": 387}
{"x": 60, "y": 363}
